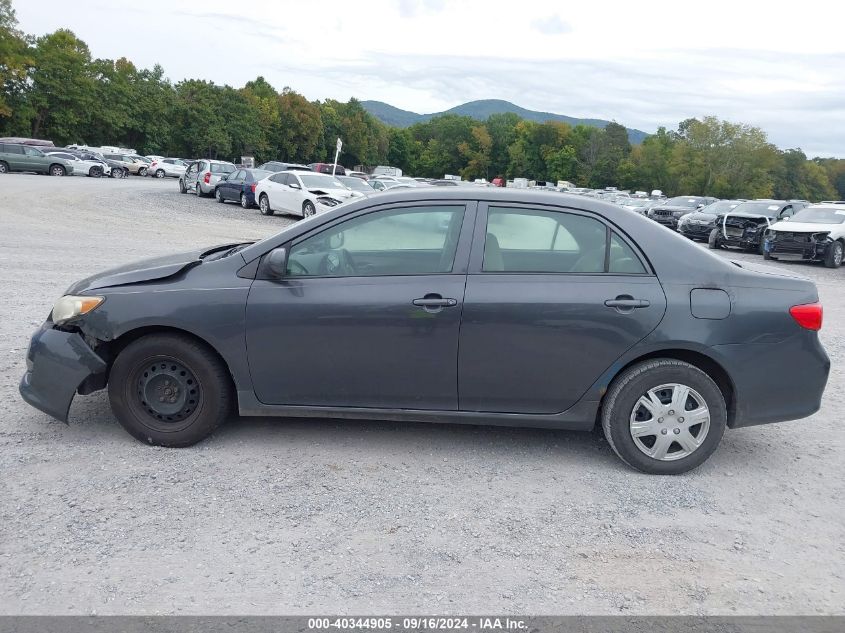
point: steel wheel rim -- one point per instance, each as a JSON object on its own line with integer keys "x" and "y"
{"x": 2, "y": 168}
{"x": 669, "y": 422}
{"x": 168, "y": 392}
{"x": 159, "y": 174}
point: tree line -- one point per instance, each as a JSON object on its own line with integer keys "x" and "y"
{"x": 53, "y": 88}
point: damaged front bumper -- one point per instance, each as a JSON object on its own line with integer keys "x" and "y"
{"x": 58, "y": 365}
{"x": 798, "y": 246}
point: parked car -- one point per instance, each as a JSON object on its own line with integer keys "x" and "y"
{"x": 699, "y": 224}
{"x": 326, "y": 168}
{"x": 275, "y": 165}
{"x": 460, "y": 305}
{"x": 746, "y": 225}
{"x": 167, "y": 167}
{"x": 201, "y": 176}
{"x": 301, "y": 193}
{"x": 81, "y": 167}
{"x": 240, "y": 186}
{"x": 668, "y": 212}
{"x": 637, "y": 205}
{"x": 17, "y": 157}
{"x": 128, "y": 164}
{"x": 358, "y": 174}
{"x": 357, "y": 184}
{"x": 116, "y": 168}
{"x": 815, "y": 233}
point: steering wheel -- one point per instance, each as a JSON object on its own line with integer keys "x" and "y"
{"x": 337, "y": 263}
{"x": 297, "y": 269}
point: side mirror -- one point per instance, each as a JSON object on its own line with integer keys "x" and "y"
{"x": 295, "y": 185}
{"x": 277, "y": 261}
{"x": 785, "y": 219}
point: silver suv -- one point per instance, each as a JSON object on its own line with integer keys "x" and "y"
{"x": 202, "y": 176}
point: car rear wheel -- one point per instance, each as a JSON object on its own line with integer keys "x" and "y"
{"x": 57, "y": 170}
{"x": 713, "y": 240}
{"x": 308, "y": 209}
{"x": 169, "y": 390}
{"x": 182, "y": 187}
{"x": 117, "y": 172}
{"x": 244, "y": 202}
{"x": 218, "y": 195}
{"x": 264, "y": 205}
{"x": 159, "y": 173}
{"x": 664, "y": 416}
{"x": 4, "y": 167}
{"x": 833, "y": 259}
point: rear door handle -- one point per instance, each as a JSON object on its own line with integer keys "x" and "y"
{"x": 626, "y": 303}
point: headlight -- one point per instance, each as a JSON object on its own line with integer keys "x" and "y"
{"x": 821, "y": 236}
{"x": 70, "y": 307}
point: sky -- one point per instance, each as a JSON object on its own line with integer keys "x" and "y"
{"x": 777, "y": 65}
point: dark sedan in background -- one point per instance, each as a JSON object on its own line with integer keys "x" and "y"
{"x": 460, "y": 305}
{"x": 698, "y": 224}
{"x": 670, "y": 211}
{"x": 239, "y": 186}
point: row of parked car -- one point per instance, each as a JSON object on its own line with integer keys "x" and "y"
{"x": 776, "y": 229}
{"x": 289, "y": 188}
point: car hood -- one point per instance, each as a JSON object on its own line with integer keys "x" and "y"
{"x": 800, "y": 227}
{"x": 698, "y": 215}
{"x": 144, "y": 270}
{"x": 341, "y": 194}
{"x": 746, "y": 216}
{"x": 666, "y": 207}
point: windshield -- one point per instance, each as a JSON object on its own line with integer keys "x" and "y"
{"x": 260, "y": 174}
{"x": 319, "y": 181}
{"x": 768, "y": 209}
{"x": 633, "y": 202}
{"x": 222, "y": 168}
{"x": 355, "y": 183}
{"x": 723, "y": 206}
{"x": 683, "y": 201}
{"x": 820, "y": 215}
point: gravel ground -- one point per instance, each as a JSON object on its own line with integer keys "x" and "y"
{"x": 302, "y": 516}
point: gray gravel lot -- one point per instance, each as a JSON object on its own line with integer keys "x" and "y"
{"x": 304, "y": 516}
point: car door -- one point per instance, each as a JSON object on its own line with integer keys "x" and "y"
{"x": 368, "y": 314}
{"x": 232, "y": 185}
{"x": 553, "y": 298}
{"x": 36, "y": 160}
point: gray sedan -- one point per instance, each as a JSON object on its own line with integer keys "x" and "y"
{"x": 460, "y": 305}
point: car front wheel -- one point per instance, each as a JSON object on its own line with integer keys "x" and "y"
{"x": 664, "y": 416}
{"x": 218, "y": 195}
{"x": 308, "y": 209}
{"x": 713, "y": 240}
{"x": 142, "y": 171}
{"x": 169, "y": 390}
{"x": 835, "y": 251}
{"x": 57, "y": 170}
{"x": 264, "y": 205}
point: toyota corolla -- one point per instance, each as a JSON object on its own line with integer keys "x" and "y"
{"x": 462, "y": 305}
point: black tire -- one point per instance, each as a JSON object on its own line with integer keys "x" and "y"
{"x": 768, "y": 256}
{"x": 833, "y": 257}
{"x": 117, "y": 172}
{"x": 95, "y": 172}
{"x": 264, "y": 205}
{"x": 308, "y": 209}
{"x": 182, "y": 187}
{"x": 198, "y": 379}
{"x": 142, "y": 171}
{"x": 160, "y": 173}
{"x": 198, "y": 190}
{"x": 624, "y": 393}
{"x": 218, "y": 195}
{"x": 4, "y": 167}
{"x": 57, "y": 170}
{"x": 244, "y": 202}
{"x": 713, "y": 240}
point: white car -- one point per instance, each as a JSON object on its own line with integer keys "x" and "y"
{"x": 301, "y": 193}
{"x": 814, "y": 233}
{"x": 172, "y": 167}
{"x": 93, "y": 168}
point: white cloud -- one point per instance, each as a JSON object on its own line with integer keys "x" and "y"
{"x": 553, "y": 25}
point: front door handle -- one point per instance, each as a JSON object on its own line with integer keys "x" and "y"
{"x": 626, "y": 303}
{"x": 435, "y": 302}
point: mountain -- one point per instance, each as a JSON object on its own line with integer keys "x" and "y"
{"x": 480, "y": 110}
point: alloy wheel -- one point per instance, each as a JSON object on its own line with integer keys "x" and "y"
{"x": 670, "y": 422}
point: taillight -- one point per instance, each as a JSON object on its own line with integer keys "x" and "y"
{"x": 252, "y": 187}
{"x": 808, "y": 315}
{"x": 207, "y": 177}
